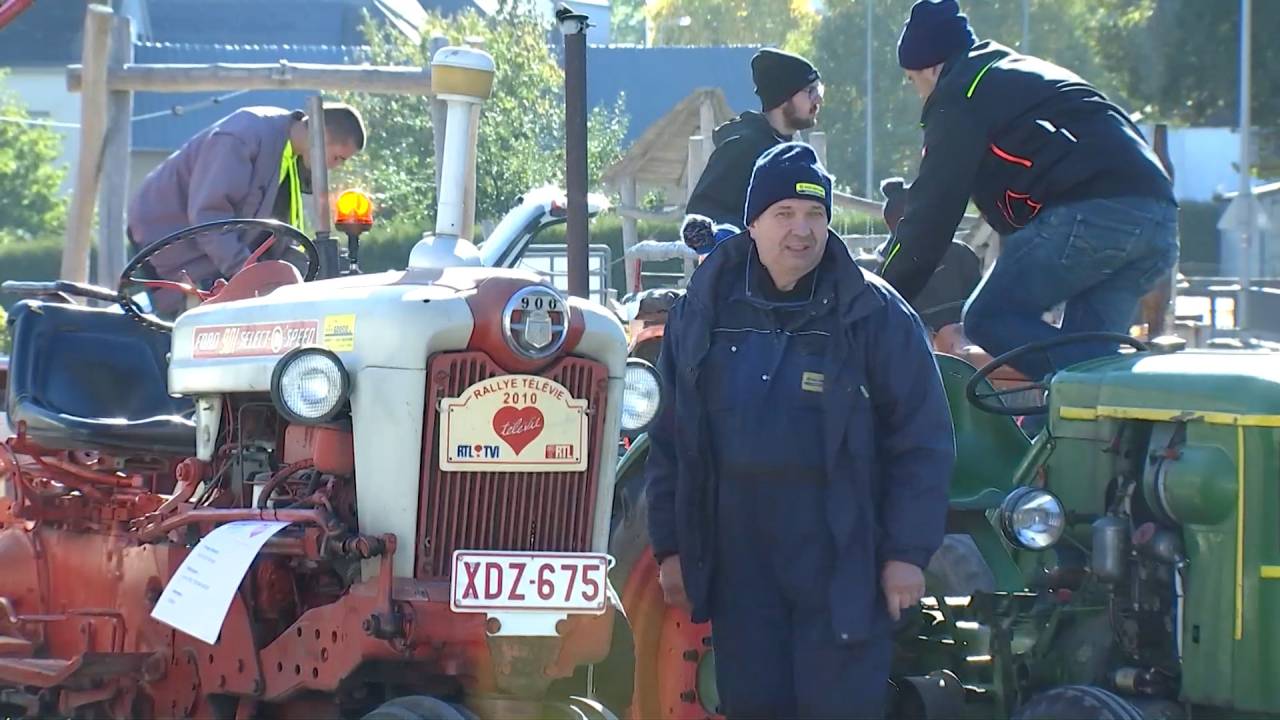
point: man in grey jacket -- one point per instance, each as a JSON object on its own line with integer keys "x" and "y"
{"x": 250, "y": 164}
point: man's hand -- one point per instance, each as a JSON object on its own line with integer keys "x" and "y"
{"x": 672, "y": 581}
{"x": 903, "y": 586}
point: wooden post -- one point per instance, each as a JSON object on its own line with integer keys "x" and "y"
{"x": 696, "y": 163}
{"x": 1156, "y": 307}
{"x": 439, "y": 109}
{"x": 818, "y": 139}
{"x": 706, "y": 128}
{"x": 468, "y": 229}
{"x": 93, "y": 118}
{"x": 630, "y": 233}
{"x": 114, "y": 195}
{"x": 319, "y": 167}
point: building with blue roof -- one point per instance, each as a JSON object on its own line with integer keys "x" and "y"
{"x": 653, "y": 80}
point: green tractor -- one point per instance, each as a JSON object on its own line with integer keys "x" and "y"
{"x": 1124, "y": 564}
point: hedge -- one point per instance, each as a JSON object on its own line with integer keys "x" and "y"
{"x": 387, "y": 247}
{"x": 29, "y": 260}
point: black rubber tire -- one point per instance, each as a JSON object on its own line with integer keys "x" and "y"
{"x": 415, "y": 707}
{"x": 959, "y": 569}
{"x": 1078, "y": 702}
{"x": 391, "y": 712}
{"x": 1153, "y": 709}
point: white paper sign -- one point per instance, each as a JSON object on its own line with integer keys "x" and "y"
{"x": 198, "y": 597}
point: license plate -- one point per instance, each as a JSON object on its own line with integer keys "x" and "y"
{"x": 505, "y": 581}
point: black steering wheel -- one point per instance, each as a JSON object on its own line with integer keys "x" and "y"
{"x": 283, "y": 232}
{"x": 984, "y": 400}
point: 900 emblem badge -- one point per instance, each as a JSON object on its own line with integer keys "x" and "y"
{"x": 535, "y": 321}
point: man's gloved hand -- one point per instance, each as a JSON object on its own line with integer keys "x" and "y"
{"x": 701, "y": 234}
{"x": 894, "y": 190}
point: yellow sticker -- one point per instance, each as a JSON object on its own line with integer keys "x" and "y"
{"x": 811, "y": 382}
{"x": 340, "y": 332}
{"x": 805, "y": 188}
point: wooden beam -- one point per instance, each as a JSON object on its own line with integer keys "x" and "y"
{"x": 853, "y": 202}
{"x": 873, "y": 208}
{"x": 93, "y": 121}
{"x": 635, "y": 213}
{"x": 114, "y": 195}
{"x": 285, "y": 75}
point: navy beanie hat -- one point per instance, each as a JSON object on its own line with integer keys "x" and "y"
{"x": 935, "y": 31}
{"x": 778, "y": 75}
{"x": 786, "y": 171}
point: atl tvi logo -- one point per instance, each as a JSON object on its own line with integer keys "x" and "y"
{"x": 477, "y": 452}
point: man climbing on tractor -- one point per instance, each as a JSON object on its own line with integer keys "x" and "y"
{"x": 1085, "y": 211}
{"x": 250, "y": 164}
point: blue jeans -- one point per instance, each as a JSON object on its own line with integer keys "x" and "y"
{"x": 1100, "y": 256}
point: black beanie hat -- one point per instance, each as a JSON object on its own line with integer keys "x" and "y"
{"x": 935, "y": 31}
{"x": 778, "y": 75}
{"x": 785, "y": 171}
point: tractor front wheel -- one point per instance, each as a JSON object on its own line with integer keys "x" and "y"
{"x": 1078, "y": 702}
{"x": 418, "y": 707}
{"x": 674, "y": 661}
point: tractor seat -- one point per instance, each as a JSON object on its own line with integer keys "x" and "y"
{"x": 84, "y": 378}
{"x": 951, "y": 340}
{"x": 654, "y": 303}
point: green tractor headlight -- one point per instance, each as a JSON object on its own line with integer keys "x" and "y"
{"x": 1032, "y": 519}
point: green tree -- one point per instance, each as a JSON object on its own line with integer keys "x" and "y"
{"x": 521, "y": 133}
{"x": 628, "y": 20}
{"x": 29, "y": 176}
{"x": 1179, "y": 59}
{"x": 732, "y": 22}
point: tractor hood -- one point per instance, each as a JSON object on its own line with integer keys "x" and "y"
{"x": 393, "y": 320}
{"x": 1179, "y": 385}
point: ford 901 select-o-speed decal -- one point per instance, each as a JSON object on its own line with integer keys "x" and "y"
{"x": 253, "y": 339}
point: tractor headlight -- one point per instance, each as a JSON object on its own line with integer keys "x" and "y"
{"x": 1032, "y": 519}
{"x": 310, "y": 385}
{"x": 641, "y": 396}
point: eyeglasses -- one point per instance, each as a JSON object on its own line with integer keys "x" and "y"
{"x": 815, "y": 91}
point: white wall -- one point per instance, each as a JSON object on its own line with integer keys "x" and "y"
{"x": 1203, "y": 161}
{"x": 44, "y": 92}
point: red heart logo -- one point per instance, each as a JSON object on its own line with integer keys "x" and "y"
{"x": 518, "y": 426}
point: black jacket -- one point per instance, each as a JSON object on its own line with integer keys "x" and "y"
{"x": 721, "y": 192}
{"x": 889, "y": 441}
{"x": 1015, "y": 133}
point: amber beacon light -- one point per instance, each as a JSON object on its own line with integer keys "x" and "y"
{"x": 354, "y": 211}
{"x": 354, "y": 208}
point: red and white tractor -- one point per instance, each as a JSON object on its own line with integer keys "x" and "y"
{"x": 381, "y": 496}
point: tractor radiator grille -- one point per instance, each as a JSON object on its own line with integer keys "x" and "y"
{"x": 526, "y": 511}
